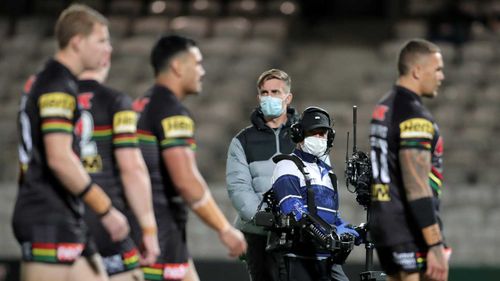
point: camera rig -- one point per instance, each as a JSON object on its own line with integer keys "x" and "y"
{"x": 358, "y": 173}
{"x": 284, "y": 230}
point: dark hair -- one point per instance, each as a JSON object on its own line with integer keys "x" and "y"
{"x": 166, "y": 48}
{"x": 74, "y": 20}
{"x": 411, "y": 50}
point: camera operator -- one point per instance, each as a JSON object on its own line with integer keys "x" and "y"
{"x": 293, "y": 181}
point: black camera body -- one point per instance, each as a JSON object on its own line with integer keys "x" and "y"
{"x": 265, "y": 219}
{"x": 284, "y": 231}
{"x": 358, "y": 173}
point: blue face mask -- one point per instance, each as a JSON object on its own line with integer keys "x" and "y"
{"x": 271, "y": 107}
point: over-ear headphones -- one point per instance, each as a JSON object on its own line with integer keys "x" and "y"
{"x": 313, "y": 117}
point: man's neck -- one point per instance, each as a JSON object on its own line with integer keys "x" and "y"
{"x": 70, "y": 61}
{"x": 277, "y": 122}
{"x": 409, "y": 84}
{"x": 172, "y": 84}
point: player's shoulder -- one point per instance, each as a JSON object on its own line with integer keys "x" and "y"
{"x": 118, "y": 97}
{"x": 53, "y": 69}
{"x": 164, "y": 99}
{"x": 167, "y": 109}
{"x": 55, "y": 78}
{"x": 413, "y": 111}
{"x": 112, "y": 92}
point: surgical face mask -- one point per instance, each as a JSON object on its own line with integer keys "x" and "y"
{"x": 271, "y": 106}
{"x": 315, "y": 146}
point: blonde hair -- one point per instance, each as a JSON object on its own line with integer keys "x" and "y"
{"x": 275, "y": 74}
{"x": 74, "y": 20}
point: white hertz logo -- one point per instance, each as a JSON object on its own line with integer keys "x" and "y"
{"x": 69, "y": 251}
{"x": 175, "y": 271}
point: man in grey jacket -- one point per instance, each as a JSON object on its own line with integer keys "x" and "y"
{"x": 249, "y": 166}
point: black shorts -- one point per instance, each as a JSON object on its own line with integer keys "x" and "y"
{"x": 118, "y": 257}
{"x": 406, "y": 257}
{"x": 172, "y": 263}
{"x": 56, "y": 240}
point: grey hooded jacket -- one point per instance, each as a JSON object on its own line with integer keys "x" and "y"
{"x": 249, "y": 166}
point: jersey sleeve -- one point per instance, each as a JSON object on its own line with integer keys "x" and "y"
{"x": 173, "y": 128}
{"x": 286, "y": 187}
{"x": 416, "y": 132}
{"x": 58, "y": 111}
{"x": 124, "y": 123}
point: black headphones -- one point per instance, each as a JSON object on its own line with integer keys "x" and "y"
{"x": 297, "y": 133}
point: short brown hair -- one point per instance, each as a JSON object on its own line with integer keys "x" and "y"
{"x": 275, "y": 74}
{"x": 74, "y": 20}
{"x": 411, "y": 50}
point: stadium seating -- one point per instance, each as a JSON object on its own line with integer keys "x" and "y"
{"x": 333, "y": 75}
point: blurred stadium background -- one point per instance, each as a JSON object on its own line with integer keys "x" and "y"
{"x": 338, "y": 53}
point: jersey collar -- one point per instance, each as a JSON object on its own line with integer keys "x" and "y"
{"x": 400, "y": 90}
{"x": 55, "y": 62}
{"x": 163, "y": 90}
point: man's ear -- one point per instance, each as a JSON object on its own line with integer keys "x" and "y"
{"x": 176, "y": 67}
{"x": 415, "y": 72}
{"x": 75, "y": 43}
{"x": 289, "y": 98}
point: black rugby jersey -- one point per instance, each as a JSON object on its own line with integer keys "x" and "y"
{"x": 107, "y": 123}
{"x": 48, "y": 105}
{"x": 400, "y": 121}
{"x": 163, "y": 123}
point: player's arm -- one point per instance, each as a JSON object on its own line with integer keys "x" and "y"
{"x": 56, "y": 111}
{"x": 70, "y": 172}
{"x": 188, "y": 181}
{"x": 181, "y": 164}
{"x": 137, "y": 187}
{"x": 415, "y": 167}
{"x": 415, "y": 162}
{"x": 66, "y": 165}
{"x": 416, "y": 135}
{"x": 134, "y": 175}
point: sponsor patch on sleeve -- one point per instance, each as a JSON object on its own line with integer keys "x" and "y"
{"x": 57, "y": 104}
{"x": 416, "y": 128}
{"x": 178, "y": 126}
{"x": 125, "y": 122}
